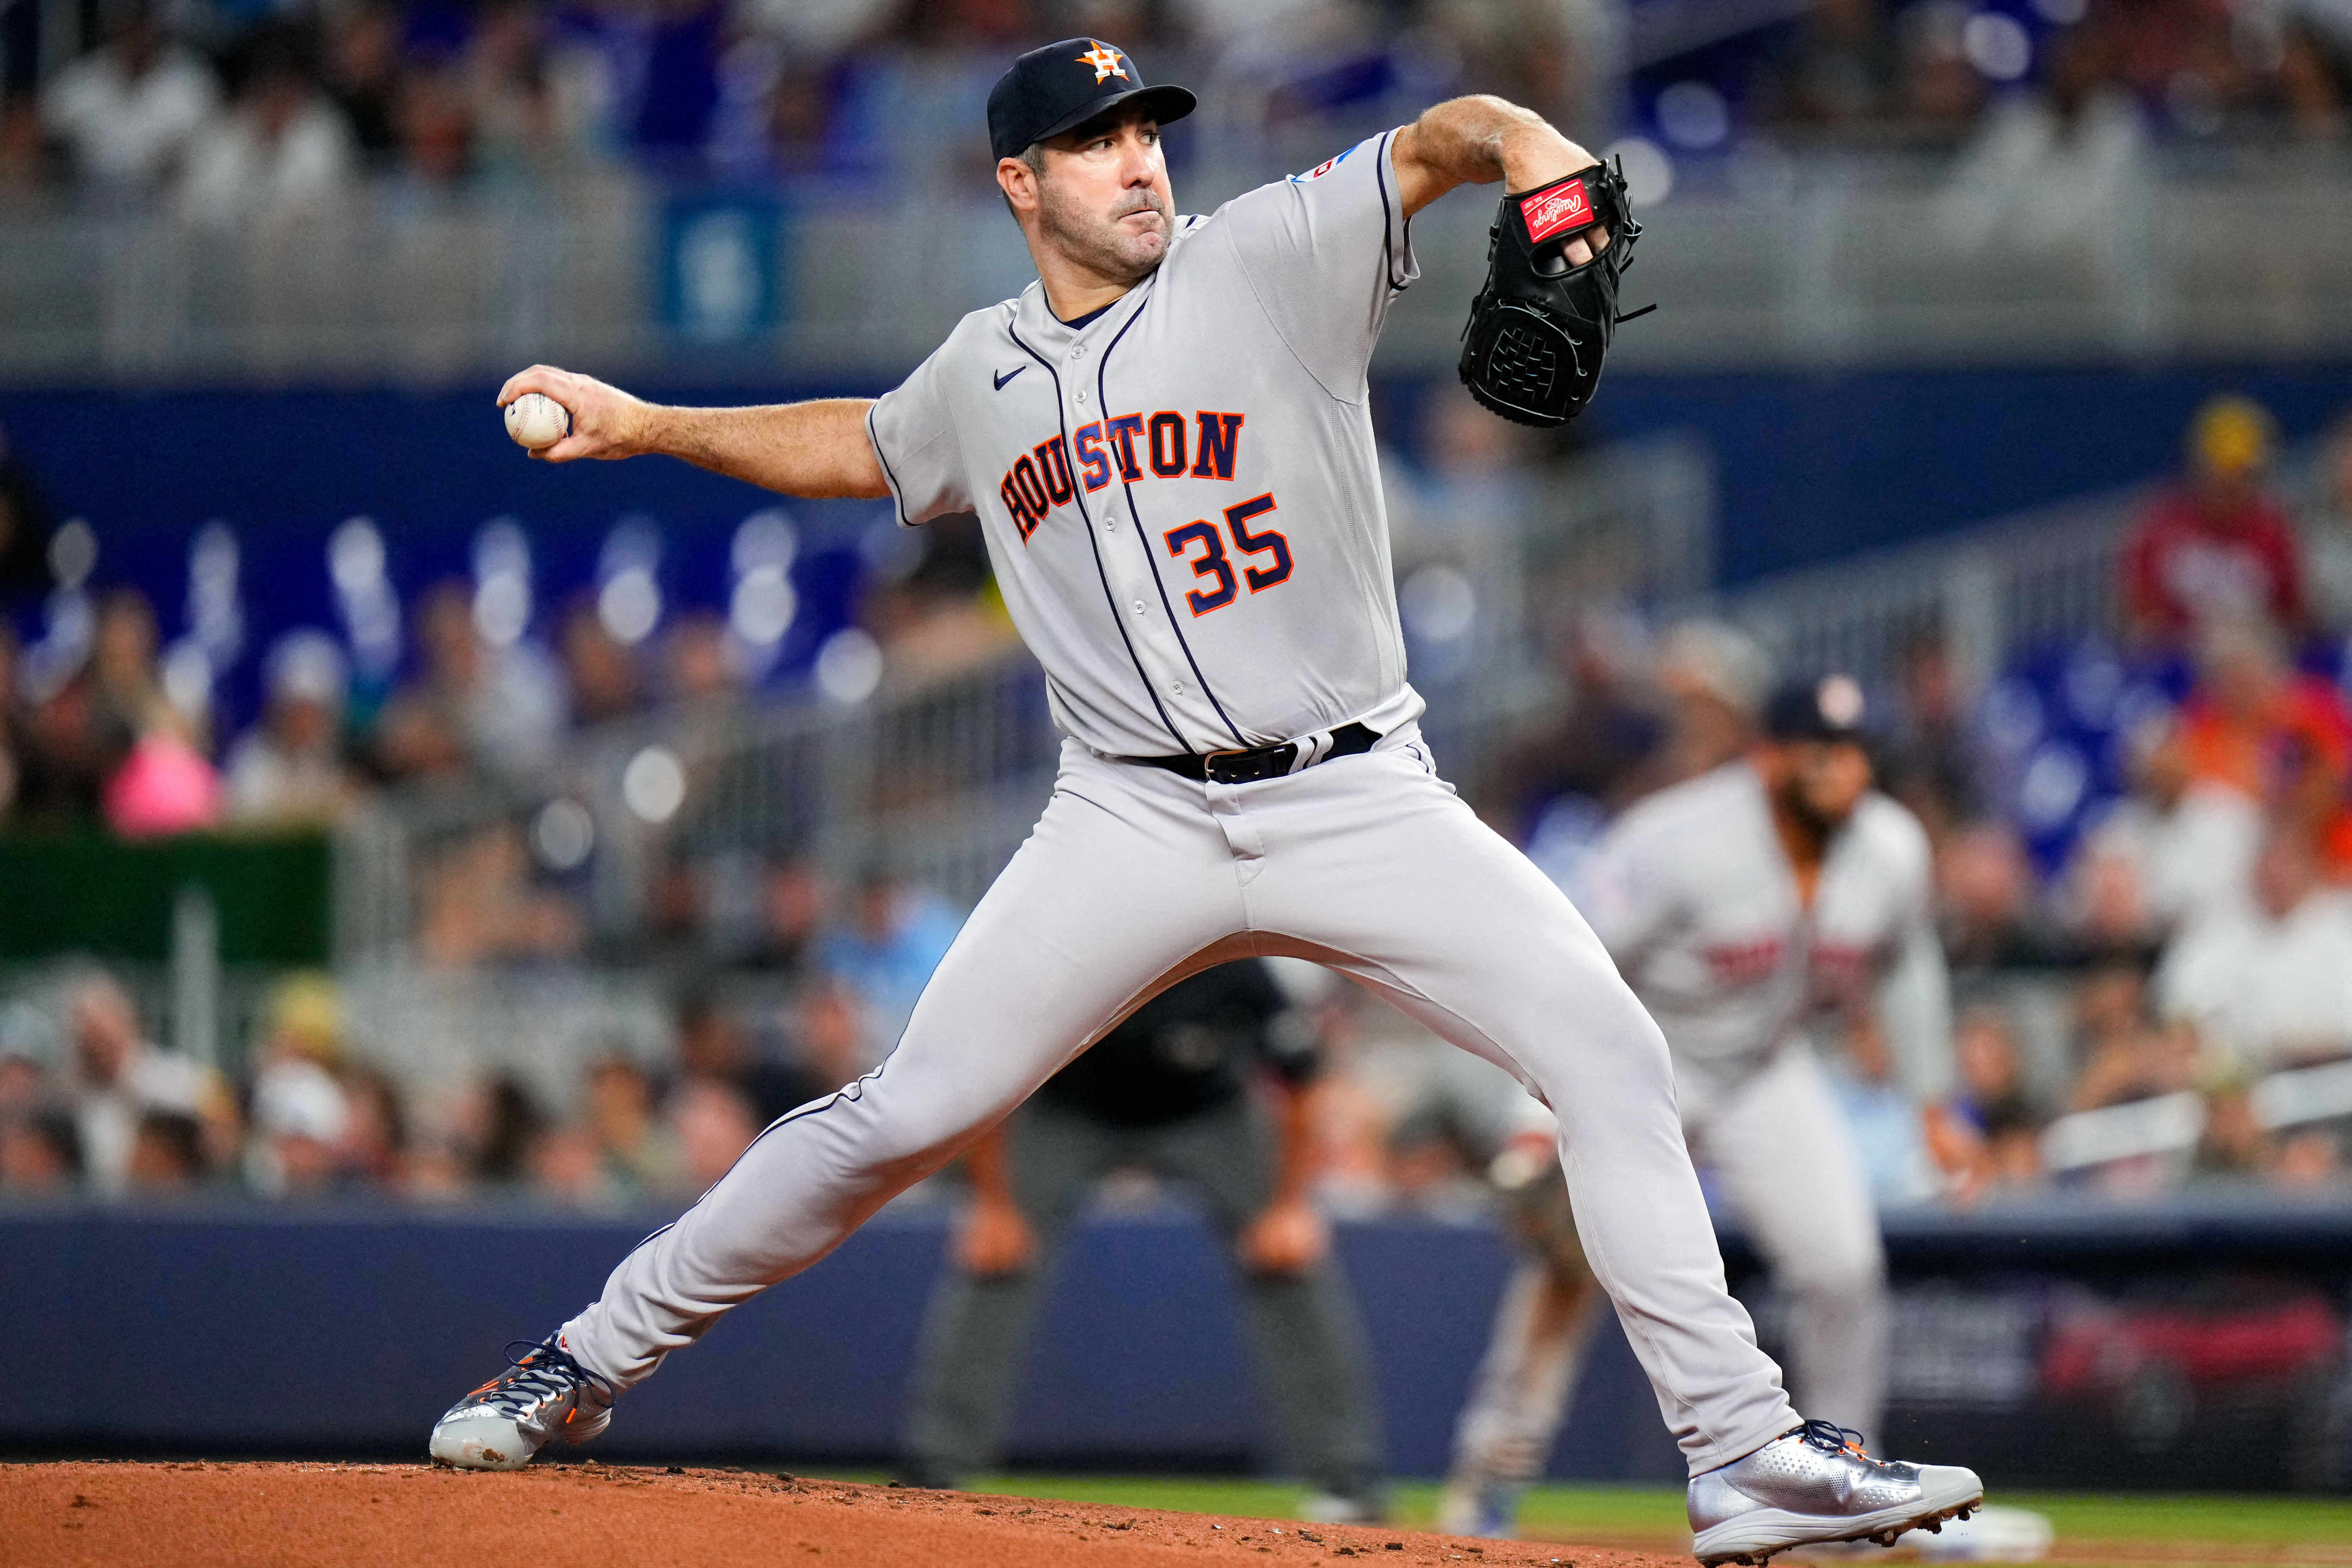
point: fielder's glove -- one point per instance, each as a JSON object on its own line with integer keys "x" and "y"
{"x": 1540, "y": 330}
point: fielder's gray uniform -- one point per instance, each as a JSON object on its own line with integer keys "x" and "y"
{"x": 1694, "y": 895}
{"x": 1182, "y": 507}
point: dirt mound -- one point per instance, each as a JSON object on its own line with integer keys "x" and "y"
{"x": 415, "y": 1516}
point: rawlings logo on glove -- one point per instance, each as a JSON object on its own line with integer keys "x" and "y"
{"x": 1562, "y": 206}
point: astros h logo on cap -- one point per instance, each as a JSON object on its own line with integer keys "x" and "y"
{"x": 1105, "y": 61}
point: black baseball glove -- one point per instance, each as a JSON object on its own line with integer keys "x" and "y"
{"x": 1540, "y": 330}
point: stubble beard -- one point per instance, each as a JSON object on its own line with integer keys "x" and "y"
{"x": 1098, "y": 243}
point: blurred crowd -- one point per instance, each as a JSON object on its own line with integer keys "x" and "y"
{"x": 228, "y": 110}
{"x": 2144, "y": 847}
{"x": 2143, "y": 857}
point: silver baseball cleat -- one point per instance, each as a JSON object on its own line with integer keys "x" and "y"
{"x": 1814, "y": 1484}
{"x": 544, "y": 1393}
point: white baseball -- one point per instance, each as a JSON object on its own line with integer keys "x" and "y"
{"x": 537, "y": 420}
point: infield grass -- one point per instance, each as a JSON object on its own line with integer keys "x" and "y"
{"x": 2094, "y": 1529}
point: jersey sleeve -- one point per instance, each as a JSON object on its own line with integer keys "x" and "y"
{"x": 1325, "y": 252}
{"x": 914, "y": 435}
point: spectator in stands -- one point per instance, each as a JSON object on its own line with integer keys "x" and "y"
{"x": 40, "y": 1153}
{"x": 118, "y": 1078}
{"x": 495, "y": 711}
{"x": 714, "y": 1045}
{"x": 375, "y": 1153}
{"x": 24, "y": 1077}
{"x": 599, "y": 670}
{"x": 436, "y": 128}
{"x": 711, "y": 1123}
{"x": 2216, "y": 549}
{"x": 885, "y": 951}
{"x": 1716, "y": 678}
{"x": 301, "y": 1117}
{"x": 27, "y": 169}
{"x": 500, "y": 1122}
{"x": 2179, "y": 848}
{"x": 1928, "y": 759}
{"x": 2327, "y": 533}
{"x": 280, "y": 150}
{"x": 163, "y": 783}
{"x": 128, "y": 112}
{"x": 1839, "y": 70}
{"x": 2312, "y": 83}
{"x": 2050, "y": 172}
{"x": 288, "y": 768}
{"x": 1597, "y": 751}
{"x": 80, "y": 730}
{"x": 1985, "y": 887}
{"x": 2269, "y": 985}
{"x": 639, "y": 1155}
{"x": 2280, "y": 737}
{"x": 1942, "y": 93}
{"x": 2123, "y": 1056}
{"x": 940, "y": 619}
{"x": 167, "y": 1156}
{"x": 504, "y": 75}
{"x": 362, "y": 74}
{"x": 481, "y": 901}
{"x": 794, "y": 907}
{"x": 1991, "y": 1070}
{"x": 567, "y": 1169}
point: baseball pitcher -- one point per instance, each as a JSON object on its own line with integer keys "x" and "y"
{"x": 1168, "y": 438}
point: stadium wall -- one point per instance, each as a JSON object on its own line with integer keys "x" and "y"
{"x": 1811, "y": 467}
{"x": 2188, "y": 1346}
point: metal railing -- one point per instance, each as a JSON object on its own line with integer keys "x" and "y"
{"x": 2050, "y": 575}
{"x": 1840, "y": 259}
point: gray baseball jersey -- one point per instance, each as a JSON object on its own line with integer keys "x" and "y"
{"x": 1181, "y": 495}
{"x": 1693, "y": 894}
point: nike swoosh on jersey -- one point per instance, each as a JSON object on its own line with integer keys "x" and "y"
{"x": 1008, "y": 375}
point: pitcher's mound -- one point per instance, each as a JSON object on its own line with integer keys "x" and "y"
{"x": 415, "y": 1515}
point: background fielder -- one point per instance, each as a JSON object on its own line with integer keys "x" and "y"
{"x": 1242, "y": 772}
{"x": 1768, "y": 902}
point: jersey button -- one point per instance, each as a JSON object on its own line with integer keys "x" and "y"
{"x": 1177, "y": 686}
{"x": 1082, "y": 395}
{"x": 1138, "y": 606}
{"x": 1078, "y": 352}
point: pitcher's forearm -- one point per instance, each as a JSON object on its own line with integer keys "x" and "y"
{"x": 1477, "y": 140}
{"x": 817, "y": 449}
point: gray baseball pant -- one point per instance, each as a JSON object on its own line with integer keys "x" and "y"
{"x": 1307, "y": 1343}
{"x": 1135, "y": 877}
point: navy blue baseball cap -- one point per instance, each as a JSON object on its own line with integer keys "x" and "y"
{"x": 1829, "y": 709}
{"x": 1062, "y": 85}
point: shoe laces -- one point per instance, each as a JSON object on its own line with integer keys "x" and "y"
{"x": 544, "y": 1370}
{"x": 1829, "y": 1439}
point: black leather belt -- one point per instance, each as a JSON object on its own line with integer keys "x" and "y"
{"x": 1265, "y": 763}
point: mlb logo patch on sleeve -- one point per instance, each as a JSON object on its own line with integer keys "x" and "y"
{"x": 1563, "y": 207}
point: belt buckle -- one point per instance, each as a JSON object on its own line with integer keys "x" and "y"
{"x": 1261, "y": 762}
